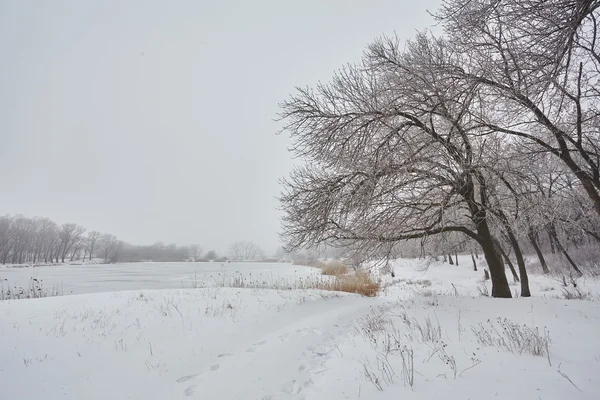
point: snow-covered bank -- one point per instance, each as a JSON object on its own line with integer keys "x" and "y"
{"x": 428, "y": 348}
{"x": 429, "y": 335}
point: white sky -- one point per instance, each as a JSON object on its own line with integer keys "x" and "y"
{"x": 153, "y": 120}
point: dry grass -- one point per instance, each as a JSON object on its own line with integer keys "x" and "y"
{"x": 415, "y": 282}
{"x": 360, "y": 282}
{"x": 334, "y": 268}
{"x": 574, "y": 293}
{"x": 507, "y": 335}
{"x": 34, "y": 290}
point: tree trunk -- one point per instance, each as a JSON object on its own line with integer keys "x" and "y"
{"x": 591, "y": 185}
{"x": 456, "y": 258}
{"x": 474, "y": 262}
{"x": 500, "y": 287}
{"x": 538, "y": 251}
{"x": 450, "y": 259}
{"x": 552, "y": 249}
{"x": 525, "y": 292}
{"x": 560, "y": 248}
{"x": 507, "y": 261}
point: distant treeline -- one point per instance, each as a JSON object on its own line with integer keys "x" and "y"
{"x": 40, "y": 240}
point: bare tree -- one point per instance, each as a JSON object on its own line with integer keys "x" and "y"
{"x": 245, "y": 251}
{"x": 79, "y": 245}
{"x": 109, "y": 246}
{"x": 70, "y": 235}
{"x": 195, "y": 252}
{"x": 393, "y": 155}
{"x": 6, "y": 237}
{"x": 22, "y": 238}
{"x": 93, "y": 237}
{"x": 211, "y": 255}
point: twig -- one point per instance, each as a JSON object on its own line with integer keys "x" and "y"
{"x": 567, "y": 378}
{"x": 468, "y": 368}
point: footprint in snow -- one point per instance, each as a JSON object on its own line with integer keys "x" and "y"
{"x": 190, "y": 391}
{"x": 187, "y": 378}
{"x": 255, "y": 346}
{"x": 294, "y": 387}
{"x": 284, "y": 337}
{"x": 214, "y": 367}
{"x": 224, "y": 355}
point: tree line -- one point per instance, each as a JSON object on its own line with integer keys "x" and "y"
{"x": 40, "y": 240}
{"x": 486, "y": 135}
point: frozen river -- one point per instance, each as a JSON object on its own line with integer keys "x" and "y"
{"x": 78, "y": 279}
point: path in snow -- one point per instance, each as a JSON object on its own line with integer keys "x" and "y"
{"x": 217, "y": 343}
{"x": 262, "y": 365}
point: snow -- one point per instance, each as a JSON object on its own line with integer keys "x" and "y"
{"x": 158, "y": 341}
{"x": 81, "y": 279}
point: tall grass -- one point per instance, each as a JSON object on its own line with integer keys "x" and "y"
{"x": 35, "y": 289}
{"x": 507, "y": 335}
{"x": 360, "y": 282}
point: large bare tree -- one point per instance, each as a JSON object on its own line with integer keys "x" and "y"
{"x": 393, "y": 154}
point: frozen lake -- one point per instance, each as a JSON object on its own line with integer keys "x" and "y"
{"x": 96, "y": 278}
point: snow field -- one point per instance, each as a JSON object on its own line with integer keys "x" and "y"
{"x": 430, "y": 334}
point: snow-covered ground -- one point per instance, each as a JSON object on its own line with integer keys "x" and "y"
{"x": 430, "y": 335}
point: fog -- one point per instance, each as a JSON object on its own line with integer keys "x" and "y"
{"x": 154, "y": 120}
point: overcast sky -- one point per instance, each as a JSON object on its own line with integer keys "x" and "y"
{"x": 153, "y": 120}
